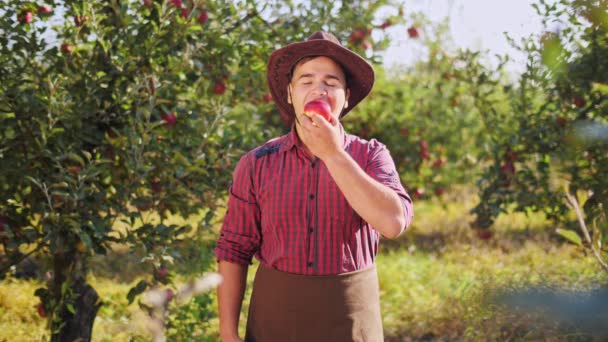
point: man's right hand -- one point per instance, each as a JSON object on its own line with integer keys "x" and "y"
{"x": 232, "y": 338}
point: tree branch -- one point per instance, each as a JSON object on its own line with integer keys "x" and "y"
{"x": 581, "y": 221}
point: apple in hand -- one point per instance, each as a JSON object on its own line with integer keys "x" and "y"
{"x": 318, "y": 107}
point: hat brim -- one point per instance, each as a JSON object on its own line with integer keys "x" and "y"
{"x": 360, "y": 73}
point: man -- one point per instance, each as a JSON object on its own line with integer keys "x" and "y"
{"x": 311, "y": 206}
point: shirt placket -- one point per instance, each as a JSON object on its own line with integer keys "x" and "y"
{"x": 312, "y": 218}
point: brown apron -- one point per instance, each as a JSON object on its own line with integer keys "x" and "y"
{"x": 288, "y": 307}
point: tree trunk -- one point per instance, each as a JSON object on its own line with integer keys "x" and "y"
{"x": 79, "y": 325}
{"x": 78, "y": 305}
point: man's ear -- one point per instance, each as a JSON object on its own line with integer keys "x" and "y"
{"x": 289, "y": 93}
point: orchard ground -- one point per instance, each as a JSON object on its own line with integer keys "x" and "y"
{"x": 436, "y": 280}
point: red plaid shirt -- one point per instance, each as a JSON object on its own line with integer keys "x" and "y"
{"x": 285, "y": 209}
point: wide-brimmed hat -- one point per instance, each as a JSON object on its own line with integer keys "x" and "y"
{"x": 359, "y": 72}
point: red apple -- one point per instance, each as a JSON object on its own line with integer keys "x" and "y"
{"x": 44, "y": 10}
{"x": 578, "y": 101}
{"x": 219, "y": 88}
{"x": 413, "y": 32}
{"x": 176, "y": 3}
{"x": 267, "y": 98}
{"x": 424, "y": 145}
{"x": 424, "y": 154}
{"x": 169, "y": 294}
{"x": 508, "y": 169}
{"x": 80, "y": 20}
{"x": 41, "y": 310}
{"x": 185, "y": 13}
{"x": 74, "y": 170}
{"x": 439, "y": 162}
{"x": 156, "y": 185}
{"x": 484, "y": 234}
{"x": 358, "y": 35}
{"x": 418, "y": 192}
{"x": 318, "y": 107}
{"x": 169, "y": 118}
{"x": 67, "y": 48}
{"x": 162, "y": 272}
{"x": 366, "y": 45}
{"x": 25, "y": 17}
{"x": 386, "y": 24}
{"x": 148, "y": 3}
{"x": 203, "y": 17}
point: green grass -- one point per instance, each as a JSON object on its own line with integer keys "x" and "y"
{"x": 437, "y": 281}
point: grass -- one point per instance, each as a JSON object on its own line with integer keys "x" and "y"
{"x": 438, "y": 282}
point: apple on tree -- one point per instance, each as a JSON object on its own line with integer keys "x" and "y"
{"x": 44, "y": 10}
{"x": 169, "y": 119}
{"x": 203, "y": 17}
{"x": 66, "y": 48}
{"x": 219, "y": 88}
{"x": 318, "y": 107}
{"x": 484, "y": 234}
{"x": 413, "y": 32}
{"x": 25, "y": 17}
{"x": 418, "y": 192}
{"x": 41, "y": 310}
{"x": 267, "y": 98}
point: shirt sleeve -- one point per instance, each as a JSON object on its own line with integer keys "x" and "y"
{"x": 381, "y": 167}
{"x": 239, "y": 238}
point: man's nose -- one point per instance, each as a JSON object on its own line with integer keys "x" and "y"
{"x": 320, "y": 88}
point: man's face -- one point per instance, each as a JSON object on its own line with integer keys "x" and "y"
{"x": 319, "y": 78}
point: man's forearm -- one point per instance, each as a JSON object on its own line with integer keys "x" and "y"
{"x": 376, "y": 203}
{"x": 230, "y": 297}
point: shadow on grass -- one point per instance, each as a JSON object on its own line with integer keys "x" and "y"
{"x": 525, "y": 314}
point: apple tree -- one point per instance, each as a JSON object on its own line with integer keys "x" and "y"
{"x": 552, "y": 139}
{"x": 111, "y": 111}
{"x": 427, "y": 113}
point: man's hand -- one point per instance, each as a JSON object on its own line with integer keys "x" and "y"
{"x": 231, "y": 339}
{"x": 322, "y": 137}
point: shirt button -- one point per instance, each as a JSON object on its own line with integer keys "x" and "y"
{"x": 310, "y": 229}
{"x": 311, "y": 196}
{"x": 310, "y": 264}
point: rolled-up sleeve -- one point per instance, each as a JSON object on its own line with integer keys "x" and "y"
{"x": 382, "y": 168}
{"x": 239, "y": 238}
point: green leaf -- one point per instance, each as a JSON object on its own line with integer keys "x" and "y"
{"x": 70, "y": 308}
{"x": 570, "y": 235}
{"x": 138, "y": 289}
{"x": 600, "y": 87}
